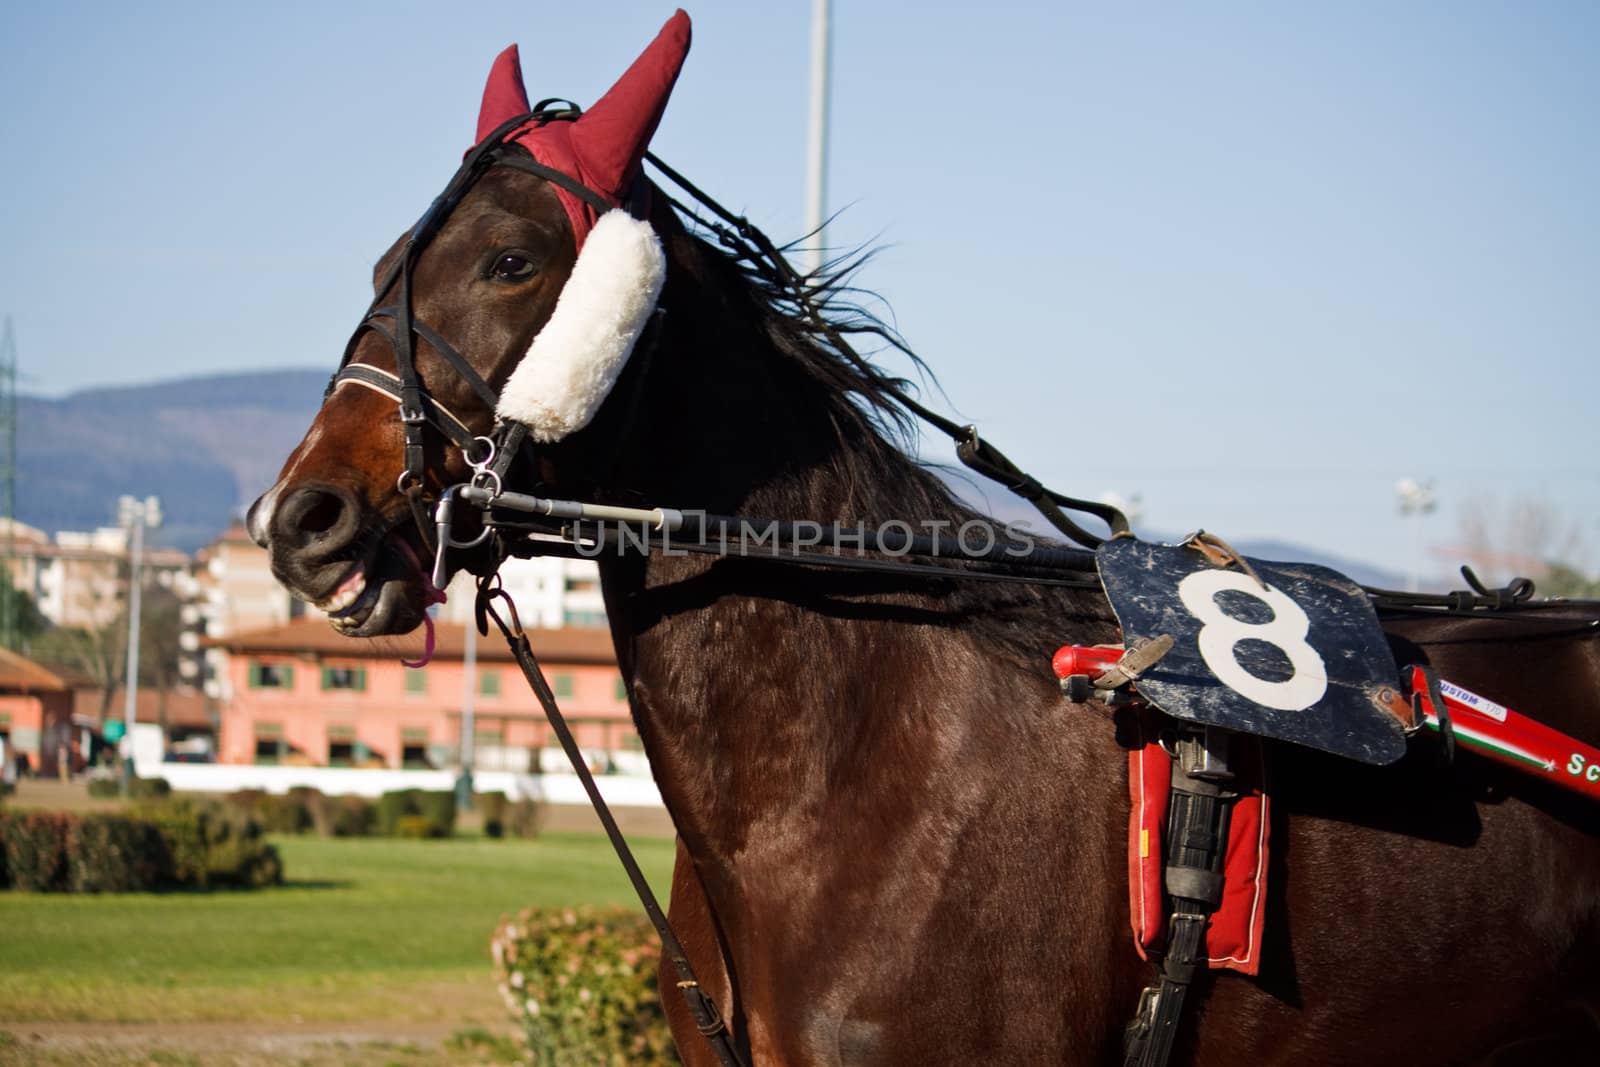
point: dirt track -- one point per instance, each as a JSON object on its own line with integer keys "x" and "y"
{"x": 250, "y": 1045}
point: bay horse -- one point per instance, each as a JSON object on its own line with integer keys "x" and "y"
{"x": 897, "y": 844}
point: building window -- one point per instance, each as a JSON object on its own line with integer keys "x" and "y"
{"x": 563, "y": 685}
{"x": 416, "y": 683}
{"x": 343, "y": 748}
{"x": 349, "y": 678}
{"x": 414, "y": 748}
{"x": 270, "y": 747}
{"x": 575, "y": 617}
{"x": 271, "y": 676}
{"x": 621, "y": 689}
{"x": 489, "y": 683}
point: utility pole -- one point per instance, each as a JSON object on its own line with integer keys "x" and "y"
{"x": 135, "y": 515}
{"x": 817, "y": 134}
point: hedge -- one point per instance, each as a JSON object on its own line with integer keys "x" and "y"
{"x": 138, "y": 788}
{"x": 36, "y": 851}
{"x": 581, "y": 982}
{"x": 437, "y": 806}
{"x": 114, "y": 854}
{"x": 172, "y": 845}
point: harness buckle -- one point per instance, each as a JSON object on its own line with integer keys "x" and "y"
{"x": 413, "y": 416}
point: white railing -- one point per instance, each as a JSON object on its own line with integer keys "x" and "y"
{"x": 623, "y": 790}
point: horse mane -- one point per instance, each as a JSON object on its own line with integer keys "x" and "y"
{"x": 871, "y": 456}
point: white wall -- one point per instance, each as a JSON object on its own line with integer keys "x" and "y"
{"x": 623, "y": 790}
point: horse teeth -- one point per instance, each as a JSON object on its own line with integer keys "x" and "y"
{"x": 346, "y": 594}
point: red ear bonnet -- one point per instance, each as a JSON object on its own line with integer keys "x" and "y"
{"x": 603, "y": 148}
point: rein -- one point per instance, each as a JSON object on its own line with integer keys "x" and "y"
{"x": 707, "y": 1019}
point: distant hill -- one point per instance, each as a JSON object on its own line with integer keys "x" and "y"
{"x": 206, "y": 446}
{"x": 209, "y": 446}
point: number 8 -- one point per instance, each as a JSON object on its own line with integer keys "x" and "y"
{"x": 1220, "y": 634}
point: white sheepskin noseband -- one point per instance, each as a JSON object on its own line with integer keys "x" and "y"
{"x": 576, "y": 359}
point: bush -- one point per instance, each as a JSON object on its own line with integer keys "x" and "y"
{"x": 177, "y": 843}
{"x": 492, "y": 808}
{"x": 524, "y": 818}
{"x": 36, "y": 851}
{"x": 105, "y": 787}
{"x": 211, "y": 844}
{"x": 391, "y": 806}
{"x": 581, "y": 982}
{"x": 114, "y": 854}
{"x": 419, "y": 827}
{"x": 5, "y": 871}
{"x": 343, "y": 816}
{"x": 288, "y": 814}
{"x": 149, "y": 789}
{"x": 438, "y": 807}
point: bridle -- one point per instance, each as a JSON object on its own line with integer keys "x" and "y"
{"x": 398, "y": 324}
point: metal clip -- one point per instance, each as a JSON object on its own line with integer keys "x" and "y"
{"x": 441, "y": 524}
{"x": 413, "y": 416}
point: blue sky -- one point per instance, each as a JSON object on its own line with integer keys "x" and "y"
{"x": 1254, "y": 262}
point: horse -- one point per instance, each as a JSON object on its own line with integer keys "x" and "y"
{"x": 896, "y": 843}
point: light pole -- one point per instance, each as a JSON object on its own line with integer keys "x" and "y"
{"x": 134, "y": 515}
{"x": 468, "y": 724}
{"x": 1416, "y": 499}
{"x": 817, "y": 133}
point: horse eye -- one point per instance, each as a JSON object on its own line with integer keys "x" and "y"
{"x": 512, "y": 267}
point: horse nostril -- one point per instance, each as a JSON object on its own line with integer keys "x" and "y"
{"x": 321, "y": 516}
{"x": 313, "y": 517}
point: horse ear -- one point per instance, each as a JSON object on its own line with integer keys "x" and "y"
{"x": 504, "y": 97}
{"x": 611, "y": 137}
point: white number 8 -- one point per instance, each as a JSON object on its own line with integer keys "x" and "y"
{"x": 1308, "y": 678}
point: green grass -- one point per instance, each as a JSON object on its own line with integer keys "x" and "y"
{"x": 366, "y": 929}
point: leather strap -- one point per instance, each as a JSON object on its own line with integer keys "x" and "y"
{"x": 704, "y": 1010}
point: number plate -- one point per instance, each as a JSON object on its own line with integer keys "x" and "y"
{"x": 1303, "y": 659}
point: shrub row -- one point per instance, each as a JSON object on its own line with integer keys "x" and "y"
{"x": 175, "y": 844}
{"x": 405, "y": 813}
{"x": 138, "y": 788}
{"x": 581, "y": 983}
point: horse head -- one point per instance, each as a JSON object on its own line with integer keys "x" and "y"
{"x": 524, "y": 287}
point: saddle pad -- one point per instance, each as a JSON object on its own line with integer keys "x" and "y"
{"x": 1233, "y": 936}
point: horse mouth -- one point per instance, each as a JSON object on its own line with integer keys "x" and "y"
{"x": 385, "y": 591}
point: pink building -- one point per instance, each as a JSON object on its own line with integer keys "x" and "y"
{"x": 35, "y": 717}
{"x": 302, "y": 693}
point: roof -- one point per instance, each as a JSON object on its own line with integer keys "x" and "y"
{"x": 313, "y": 636}
{"x": 18, "y": 672}
{"x": 184, "y": 707}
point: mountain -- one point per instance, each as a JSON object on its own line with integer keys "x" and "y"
{"x": 209, "y": 446}
{"x": 206, "y": 446}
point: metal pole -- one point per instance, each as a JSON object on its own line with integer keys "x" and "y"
{"x": 817, "y": 134}
{"x": 468, "y": 724}
{"x": 130, "y": 686}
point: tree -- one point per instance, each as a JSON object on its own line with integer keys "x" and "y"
{"x": 30, "y": 620}
{"x": 1567, "y": 581}
{"x": 1527, "y": 537}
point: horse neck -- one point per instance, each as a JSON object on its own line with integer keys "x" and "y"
{"x": 749, "y": 679}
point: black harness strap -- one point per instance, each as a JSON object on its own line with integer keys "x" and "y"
{"x": 439, "y": 417}
{"x": 757, "y": 249}
{"x": 1198, "y": 811}
{"x": 706, "y": 1017}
